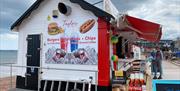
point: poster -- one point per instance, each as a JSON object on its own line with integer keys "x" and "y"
{"x": 137, "y": 52}
{"x": 71, "y": 41}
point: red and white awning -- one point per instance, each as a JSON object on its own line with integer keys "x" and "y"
{"x": 145, "y": 30}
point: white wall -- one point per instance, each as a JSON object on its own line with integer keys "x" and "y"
{"x": 36, "y": 24}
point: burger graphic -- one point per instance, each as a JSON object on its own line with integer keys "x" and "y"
{"x": 53, "y": 29}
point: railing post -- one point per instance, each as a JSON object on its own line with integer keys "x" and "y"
{"x": 11, "y": 75}
{"x": 96, "y": 81}
{"x": 39, "y": 79}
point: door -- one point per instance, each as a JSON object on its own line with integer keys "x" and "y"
{"x": 119, "y": 48}
{"x": 33, "y": 59}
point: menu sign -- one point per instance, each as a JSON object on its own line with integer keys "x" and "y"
{"x": 71, "y": 41}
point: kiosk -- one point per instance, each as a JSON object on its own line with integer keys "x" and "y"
{"x": 66, "y": 44}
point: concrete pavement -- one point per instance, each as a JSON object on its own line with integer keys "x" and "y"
{"x": 16, "y": 89}
{"x": 170, "y": 71}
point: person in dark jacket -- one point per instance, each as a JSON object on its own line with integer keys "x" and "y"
{"x": 159, "y": 58}
{"x": 154, "y": 63}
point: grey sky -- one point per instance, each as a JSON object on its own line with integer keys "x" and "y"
{"x": 164, "y": 12}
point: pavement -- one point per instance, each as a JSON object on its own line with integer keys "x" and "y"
{"x": 170, "y": 71}
{"x": 176, "y": 62}
{"x": 16, "y": 89}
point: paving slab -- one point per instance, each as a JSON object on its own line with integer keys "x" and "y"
{"x": 17, "y": 89}
{"x": 170, "y": 71}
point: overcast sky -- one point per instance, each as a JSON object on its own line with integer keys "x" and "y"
{"x": 164, "y": 12}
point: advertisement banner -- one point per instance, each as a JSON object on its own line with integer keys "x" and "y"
{"x": 71, "y": 41}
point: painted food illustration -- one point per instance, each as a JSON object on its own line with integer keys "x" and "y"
{"x": 84, "y": 56}
{"x": 59, "y": 53}
{"x": 53, "y": 29}
{"x": 86, "y": 26}
{"x": 81, "y": 54}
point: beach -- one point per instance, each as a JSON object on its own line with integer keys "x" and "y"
{"x": 7, "y": 71}
{"x": 6, "y": 79}
{"x": 7, "y": 57}
{"x": 5, "y": 83}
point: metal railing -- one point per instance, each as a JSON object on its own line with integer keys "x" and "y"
{"x": 5, "y": 67}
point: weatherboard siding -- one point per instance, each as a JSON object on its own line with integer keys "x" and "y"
{"x": 36, "y": 24}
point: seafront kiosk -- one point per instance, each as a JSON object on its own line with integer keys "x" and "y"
{"x": 66, "y": 44}
{"x": 129, "y": 71}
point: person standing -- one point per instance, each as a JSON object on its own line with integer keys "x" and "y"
{"x": 154, "y": 63}
{"x": 159, "y": 58}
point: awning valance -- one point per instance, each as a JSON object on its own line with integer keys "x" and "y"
{"x": 145, "y": 30}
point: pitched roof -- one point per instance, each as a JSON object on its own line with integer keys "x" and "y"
{"x": 26, "y": 13}
{"x": 85, "y": 5}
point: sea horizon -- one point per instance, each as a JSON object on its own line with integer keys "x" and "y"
{"x": 8, "y": 56}
{"x": 8, "y": 50}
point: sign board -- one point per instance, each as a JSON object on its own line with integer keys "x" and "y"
{"x": 72, "y": 39}
{"x": 166, "y": 85}
{"x": 119, "y": 73}
{"x": 137, "y": 52}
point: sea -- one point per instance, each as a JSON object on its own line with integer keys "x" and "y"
{"x": 8, "y": 56}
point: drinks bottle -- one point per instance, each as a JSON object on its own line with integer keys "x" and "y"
{"x": 74, "y": 41}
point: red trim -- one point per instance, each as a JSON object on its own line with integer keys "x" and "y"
{"x": 103, "y": 53}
